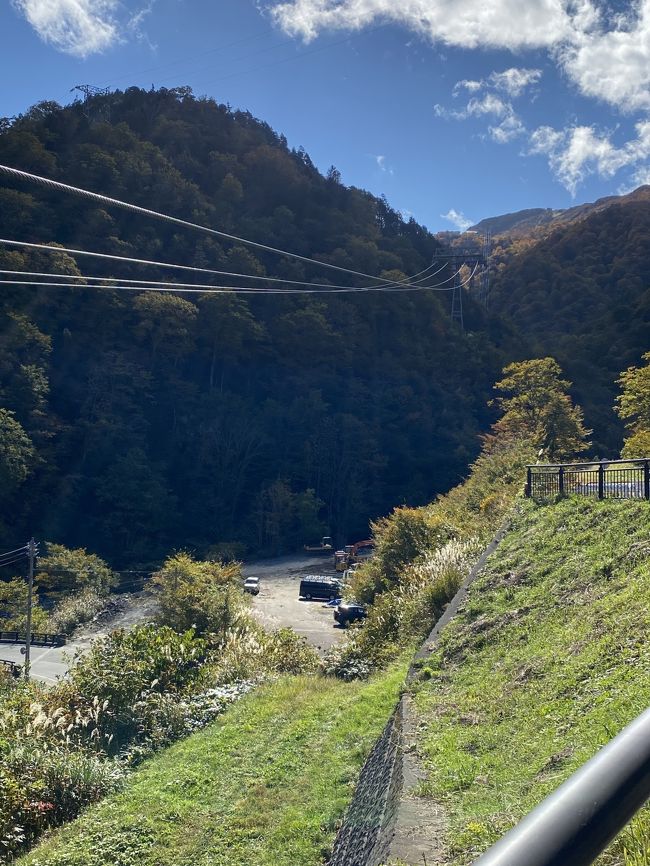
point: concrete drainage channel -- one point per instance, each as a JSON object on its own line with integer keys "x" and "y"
{"x": 384, "y": 820}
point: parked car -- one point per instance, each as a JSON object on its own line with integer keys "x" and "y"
{"x": 252, "y": 585}
{"x": 349, "y": 611}
{"x": 319, "y": 586}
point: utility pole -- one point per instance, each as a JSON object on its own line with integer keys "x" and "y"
{"x": 31, "y": 552}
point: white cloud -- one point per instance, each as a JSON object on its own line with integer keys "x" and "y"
{"x": 136, "y": 21}
{"x": 468, "y": 84}
{"x": 476, "y": 107}
{"x": 607, "y": 56}
{"x": 509, "y": 128}
{"x": 511, "y": 24}
{"x": 574, "y": 154}
{"x": 457, "y": 218}
{"x": 489, "y": 104}
{"x": 380, "y": 159}
{"x": 641, "y": 177}
{"x": 514, "y": 81}
{"x": 78, "y": 27}
{"x": 613, "y": 65}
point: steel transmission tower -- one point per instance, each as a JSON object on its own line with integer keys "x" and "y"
{"x": 92, "y": 110}
{"x": 478, "y": 264}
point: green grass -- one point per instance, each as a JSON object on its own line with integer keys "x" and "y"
{"x": 263, "y": 786}
{"x": 549, "y": 660}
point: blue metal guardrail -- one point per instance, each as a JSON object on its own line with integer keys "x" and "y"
{"x": 577, "y": 822}
{"x": 39, "y": 638}
{"x": 604, "y": 479}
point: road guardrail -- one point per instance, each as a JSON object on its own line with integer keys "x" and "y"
{"x": 39, "y": 638}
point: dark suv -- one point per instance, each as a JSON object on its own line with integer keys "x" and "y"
{"x": 349, "y": 611}
{"x": 317, "y": 586}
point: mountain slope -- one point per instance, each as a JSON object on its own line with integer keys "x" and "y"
{"x": 540, "y": 221}
{"x": 546, "y": 662}
{"x": 159, "y": 421}
{"x": 582, "y": 295}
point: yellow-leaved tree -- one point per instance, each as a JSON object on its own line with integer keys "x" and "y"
{"x": 633, "y": 405}
{"x": 537, "y": 408}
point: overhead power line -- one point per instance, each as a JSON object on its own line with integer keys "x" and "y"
{"x": 8, "y": 562}
{"x": 137, "y": 283}
{"x": 150, "y": 263}
{"x": 106, "y": 200}
{"x": 203, "y": 289}
{"x": 17, "y": 550}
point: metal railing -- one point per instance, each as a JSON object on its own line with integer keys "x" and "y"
{"x": 11, "y": 667}
{"x": 577, "y": 822}
{"x": 605, "y": 479}
{"x": 39, "y": 638}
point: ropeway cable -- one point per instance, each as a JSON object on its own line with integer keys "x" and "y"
{"x": 192, "y": 268}
{"x": 94, "y": 196}
{"x": 212, "y": 290}
{"x": 136, "y": 283}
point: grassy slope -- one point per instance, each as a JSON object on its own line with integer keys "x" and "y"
{"x": 263, "y": 786}
{"x": 549, "y": 660}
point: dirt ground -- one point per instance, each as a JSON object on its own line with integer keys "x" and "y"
{"x": 278, "y": 604}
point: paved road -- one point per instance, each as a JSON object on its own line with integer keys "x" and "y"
{"x": 276, "y": 605}
{"x": 48, "y": 663}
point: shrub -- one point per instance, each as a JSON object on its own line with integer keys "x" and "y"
{"x": 63, "y": 569}
{"x": 75, "y": 609}
{"x": 13, "y": 601}
{"x": 203, "y": 596}
{"x": 124, "y": 669}
{"x": 252, "y": 652}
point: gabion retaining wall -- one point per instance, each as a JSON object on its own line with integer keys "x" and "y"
{"x": 364, "y": 838}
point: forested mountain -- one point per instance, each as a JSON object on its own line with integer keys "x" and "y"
{"x": 582, "y": 295}
{"x": 541, "y": 221}
{"x": 134, "y": 423}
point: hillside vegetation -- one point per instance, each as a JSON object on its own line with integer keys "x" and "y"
{"x": 548, "y": 660}
{"x": 264, "y": 786}
{"x": 582, "y": 296}
{"x": 147, "y": 422}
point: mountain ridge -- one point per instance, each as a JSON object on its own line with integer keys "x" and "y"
{"x": 525, "y": 222}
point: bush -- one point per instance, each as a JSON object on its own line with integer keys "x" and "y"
{"x": 63, "y": 569}
{"x": 13, "y": 601}
{"x": 252, "y": 652}
{"x": 75, "y": 609}
{"x": 203, "y": 596}
{"x": 422, "y": 556}
{"x": 120, "y": 672}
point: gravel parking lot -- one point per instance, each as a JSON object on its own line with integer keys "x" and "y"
{"x": 278, "y": 604}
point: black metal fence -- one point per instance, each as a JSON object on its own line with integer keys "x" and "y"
{"x": 605, "y": 479}
{"x": 11, "y": 668}
{"x": 39, "y": 638}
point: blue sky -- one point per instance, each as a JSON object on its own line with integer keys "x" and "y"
{"x": 454, "y": 109}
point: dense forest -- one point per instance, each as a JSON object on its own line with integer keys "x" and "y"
{"x": 582, "y": 295}
{"x": 134, "y": 423}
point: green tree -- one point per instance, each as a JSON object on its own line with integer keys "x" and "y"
{"x": 66, "y": 569}
{"x": 538, "y": 409}
{"x": 16, "y": 453}
{"x": 633, "y": 405}
{"x": 203, "y": 596}
{"x": 166, "y": 322}
{"x": 13, "y": 604}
